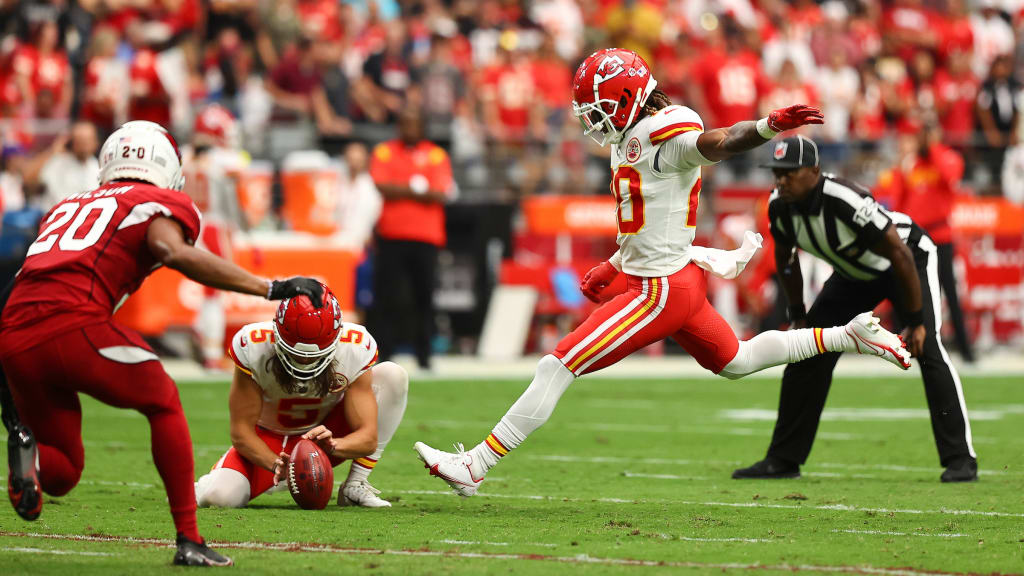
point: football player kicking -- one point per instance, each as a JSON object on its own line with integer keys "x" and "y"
{"x": 57, "y": 338}
{"x": 656, "y": 157}
{"x": 309, "y": 375}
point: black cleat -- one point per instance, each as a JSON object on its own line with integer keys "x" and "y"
{"x": 23, "y": 487}
{"x": 962, "y": 469}
{"x": 197, "y": 554}
{"x": 769, "y": 468}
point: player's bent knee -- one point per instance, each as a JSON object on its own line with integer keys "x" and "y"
{"x": 223, "y": 488}
{"x": 392, "y": 377}
{"x": 739, "y": 366}
{"x": 60, "y": 484}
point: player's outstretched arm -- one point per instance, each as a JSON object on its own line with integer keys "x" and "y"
{"x": 166, "y": 242}
{"x": 722, "y": 143}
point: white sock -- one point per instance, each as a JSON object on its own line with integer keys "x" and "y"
{"x": 222, "y": 488}
{"x": 775, "y": 347}
{"x": 391, "y": 389}
{"x": 530, "y": 412}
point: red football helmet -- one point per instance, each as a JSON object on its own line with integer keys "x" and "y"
{"x": 306, "y": 336}
{"x": 215, "y": 126}
{"x": 610, "y": 88}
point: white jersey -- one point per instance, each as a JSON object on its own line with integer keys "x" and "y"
{"x": 252, "y": 350}
{"x": 656, "y": 182}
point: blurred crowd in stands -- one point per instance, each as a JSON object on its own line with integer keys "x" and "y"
{"x": 492, "y": 77}
{"x": 922, "y": 98}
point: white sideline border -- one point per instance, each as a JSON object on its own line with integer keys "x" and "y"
{"x": 576, "y": 559}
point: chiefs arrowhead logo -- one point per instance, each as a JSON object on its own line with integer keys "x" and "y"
{"x": 780, "y": 150}
{"x": 633, "y": 149}
{"x": 609, "y": 68}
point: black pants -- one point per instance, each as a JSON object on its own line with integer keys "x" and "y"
{"x": 956, "y": 314}
{"x": 805, "y": 384}
{"x": 404, "y": 295}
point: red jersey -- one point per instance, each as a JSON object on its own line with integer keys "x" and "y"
{"x": 149, "y": 100}
{"x": 926, "y": 191}
{"x": 731, "y": 84}
{"x": 90, "y": 255}
{"x": 956, "y": 96}
{"x": 395, "y": 163}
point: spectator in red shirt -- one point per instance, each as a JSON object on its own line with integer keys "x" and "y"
{"x": 148, "y": 98}
{"x": 730, "y": 79}
{"x": 924, "y": 187}
{"x": 789, "y": 88}
{"x": 414, "y": 177}
{"x": 508, "y": 93}
{"x": 956, "y": 90}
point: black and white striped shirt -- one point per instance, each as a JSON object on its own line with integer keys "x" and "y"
{"x": 839, "y": 222}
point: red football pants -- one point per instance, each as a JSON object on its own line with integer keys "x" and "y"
{"x": 649, "y": 310}
{"x": 261, "y": 479}
{"x": 115, "y": 366}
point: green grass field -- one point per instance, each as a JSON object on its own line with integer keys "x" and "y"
{"x": 629, "y": 476}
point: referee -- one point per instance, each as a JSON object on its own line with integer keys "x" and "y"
{"x": 876, "y": 255}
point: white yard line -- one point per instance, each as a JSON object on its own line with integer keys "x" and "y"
{"x": 890, "y": 533}
{"x": 576, "y": 559}
{"x": 629, "y": 474}
{"x": 471, "y": 542}
{"x": 691, "y": 462}
{"x": 826, "y": 507}
{"x": 25, "y": 550}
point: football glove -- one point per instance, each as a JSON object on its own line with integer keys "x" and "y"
{"x": 793, "y": 117}
{"x": 297, "y": 286}
{"x": 597, "y": 280}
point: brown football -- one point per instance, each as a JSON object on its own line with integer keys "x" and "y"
{"x": 310, "y": 476}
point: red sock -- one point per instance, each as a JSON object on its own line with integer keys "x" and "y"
{"x": 172, "y": 454}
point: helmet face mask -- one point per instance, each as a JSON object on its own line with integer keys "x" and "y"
{"x": 306, "y": 337}
{"x": 302, "y": 365}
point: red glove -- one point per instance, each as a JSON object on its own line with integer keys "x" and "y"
{"x": 598, "y": 279}
{"x": 794, "y": 117}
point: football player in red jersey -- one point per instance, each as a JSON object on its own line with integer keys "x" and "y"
{"x": 306, "y": 374}
{"x": 657, "y": 153}
{"x": 94, "y": 250}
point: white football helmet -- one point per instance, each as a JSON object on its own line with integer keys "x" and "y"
{"x": 141, "y": 150}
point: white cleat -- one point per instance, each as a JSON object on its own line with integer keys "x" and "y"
{"x": 361, "y": 494}
{"x": 452, "y": 468}
{"x": 871, "y": 338}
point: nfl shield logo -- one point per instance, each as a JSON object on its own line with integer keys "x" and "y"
{"x": 780, "y": 150}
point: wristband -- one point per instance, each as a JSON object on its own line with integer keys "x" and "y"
{"x": 914, "y": 319}
{"x": 797, "y": 313}
{"x": 270, "y": 288}
{"x": 764, "y": 130}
